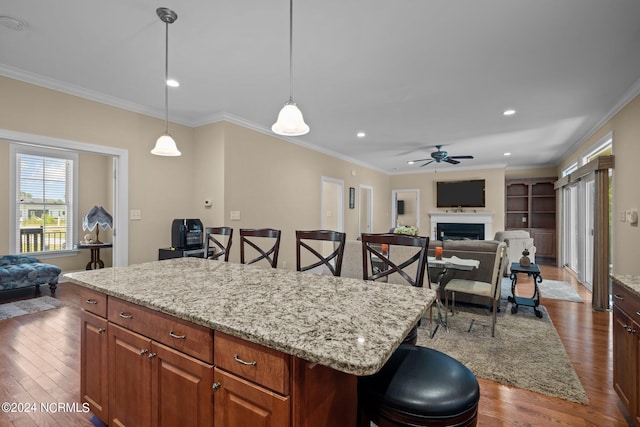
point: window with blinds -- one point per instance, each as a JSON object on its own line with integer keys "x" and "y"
{"x": 44, "y": 200}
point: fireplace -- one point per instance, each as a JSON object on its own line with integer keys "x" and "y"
{"x": 459, "y": 231}
{"x": 461, "y": 218}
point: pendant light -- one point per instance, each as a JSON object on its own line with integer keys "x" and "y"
{"x": 290, "y": 121}
{"x": 165, "y": 145}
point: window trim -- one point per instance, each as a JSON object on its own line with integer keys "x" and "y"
{"x": 603, "y": 143}
{"x": 14, "y": 150}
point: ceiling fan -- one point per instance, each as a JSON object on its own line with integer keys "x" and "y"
{"x": 440, "y": 156}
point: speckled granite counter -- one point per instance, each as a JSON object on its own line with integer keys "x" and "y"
{"x": 629, "y": 281}
{"x": 346, "y": 324}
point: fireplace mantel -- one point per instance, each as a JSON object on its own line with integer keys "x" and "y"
{"x": 485, "y": 218}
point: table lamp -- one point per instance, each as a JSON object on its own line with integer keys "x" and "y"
{"x": 97, "y": 216}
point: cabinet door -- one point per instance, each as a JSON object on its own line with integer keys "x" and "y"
{"x": 94, "y": 378}
{"x": 623, "y": 381}
{"x": 130, "y": 378}
{"x": 182, "y": 393}
{"x": 240, "y": 403}
{"x": 545, "y": 242}
{"x": 634, "y": 369}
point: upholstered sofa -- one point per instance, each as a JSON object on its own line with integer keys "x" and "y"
{"x": 517, "y": 241}
{"x": 21, "y": 271}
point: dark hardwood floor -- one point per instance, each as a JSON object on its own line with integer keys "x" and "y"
{"x": 40, "y": 362}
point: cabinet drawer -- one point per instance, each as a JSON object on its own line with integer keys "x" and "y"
{"x": 262, "y": 365}
{"x": 194, "y": 340}
{"x": 626, "y": 301}
{"x": 93, "y": 302}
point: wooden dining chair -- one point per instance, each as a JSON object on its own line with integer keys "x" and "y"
{"x": 255, "y": 238}
{"x": 333, "y": 261}
{"x": 489, "y": 291}
{"x": 211, "y": 242}
{"x": 378, "y": 265}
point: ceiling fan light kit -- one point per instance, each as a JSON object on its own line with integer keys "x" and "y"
{"x": 165, "y": 145}
{"x": 290, "y": 121}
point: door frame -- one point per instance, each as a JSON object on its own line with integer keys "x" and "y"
{"x": 120, "y": 189}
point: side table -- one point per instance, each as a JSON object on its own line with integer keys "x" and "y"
{"x": 95, "y": 262}
{"x": 534, "y": 271}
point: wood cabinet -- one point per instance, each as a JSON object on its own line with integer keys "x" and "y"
{"x": 93, "y": 364}
{"x": 626, "y": 349}
{"x": 531, "y": 205}
{"x": 144, "y": 368}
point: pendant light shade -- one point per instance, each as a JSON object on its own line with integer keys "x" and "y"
{"x": 165, "y": 145}
{"x": 290, "y": 121}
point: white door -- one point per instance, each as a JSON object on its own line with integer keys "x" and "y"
{"x": 365, "y": 207}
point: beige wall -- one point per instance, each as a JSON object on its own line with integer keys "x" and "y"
{"x": 426, "y": 182}
{"x": 625, "y": 126}
{"x": 276, "y": 184}
{"x": 531, "y": 173}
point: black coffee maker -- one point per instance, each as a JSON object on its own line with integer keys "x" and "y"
{"x": 187, "y": 234}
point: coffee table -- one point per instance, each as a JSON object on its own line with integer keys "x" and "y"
{"x": 531, "y": 270}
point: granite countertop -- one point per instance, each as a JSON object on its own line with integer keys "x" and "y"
{"x": 346, "y": 324}
{"x": 629, "y": 281}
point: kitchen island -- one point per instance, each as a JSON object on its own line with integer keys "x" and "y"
{"x": 316, "y": 334}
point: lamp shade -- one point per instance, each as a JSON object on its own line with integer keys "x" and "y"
{"x": 290, "y": 121}
{"x": 97, "y": 216}
{"x": 166, "y": 146}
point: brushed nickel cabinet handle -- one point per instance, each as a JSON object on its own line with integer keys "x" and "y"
{"x": 102, "y": 330}
{"x": 125, "y": 315}
{"x": 151, "y": 355}
{"x": 215, "y": 386}
{"x": 180, "y": 337}
{"x": 616, "y": 296}
{"x": 91, "y": 301}
{"x": 143, "y": 351}
{"x": 242, "y": 362}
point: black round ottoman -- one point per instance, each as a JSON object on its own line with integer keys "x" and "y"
{"x": 419, "y": 386}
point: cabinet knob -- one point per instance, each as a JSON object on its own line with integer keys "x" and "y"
{"x": 102, "y": 330}
{"x": 143, "y": 351}
{"x": 151, "y": 355}
{"x": 216, "y": 386}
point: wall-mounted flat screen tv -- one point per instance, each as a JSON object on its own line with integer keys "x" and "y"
{"x": 460, "y": 194}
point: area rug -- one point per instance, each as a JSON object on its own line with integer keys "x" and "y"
{"x": 28, "y": 306}
{"x": 526, "y": 352}
{"x": 552, "y": 289}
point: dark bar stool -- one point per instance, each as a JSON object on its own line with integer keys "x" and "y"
{"x": 419, "y": 386}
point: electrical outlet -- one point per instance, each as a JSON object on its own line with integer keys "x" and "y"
{"x": 135, "y": 215}
{"x": 235, "y": 216}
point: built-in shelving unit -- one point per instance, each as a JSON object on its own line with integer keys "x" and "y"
{"x": 531, "y": 205}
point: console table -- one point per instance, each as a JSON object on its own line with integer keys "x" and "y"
{"x": 95, "y": 262}
{"x": 531, "y": 270}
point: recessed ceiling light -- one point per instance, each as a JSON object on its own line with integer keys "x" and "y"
{"x": 11, "y": 23}
{"x": 361, "y": 134}
{"x": 410, "y": 162}
{"x": 507, "y": 154}
{"x": 509, "y": 112}
{"x": 172, "y": 83}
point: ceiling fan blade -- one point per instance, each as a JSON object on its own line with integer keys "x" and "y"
{"x": 461, "y": 157}
{"x": 430, "y": 161}
{"x": 451, "y": 160}
{"x": 419, "y": 160}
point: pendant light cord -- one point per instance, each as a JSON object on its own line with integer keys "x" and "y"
{"x": 166, "y": 77}
{"x": 290, "y": 50}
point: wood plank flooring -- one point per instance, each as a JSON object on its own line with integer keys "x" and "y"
{"x": 40, "y": 362}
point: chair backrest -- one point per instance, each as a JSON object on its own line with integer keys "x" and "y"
{"x": 499, "y": 265}
{"x": 251, "y": 237}
{"x": 332, "y": 261}
{"x": 220, "y": 248}
{"x": 376, "y": 263}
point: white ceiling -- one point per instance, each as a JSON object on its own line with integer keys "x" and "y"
{"x": 411, "y": 74}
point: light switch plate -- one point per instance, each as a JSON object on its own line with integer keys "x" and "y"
{"x": 235, "y": 216}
